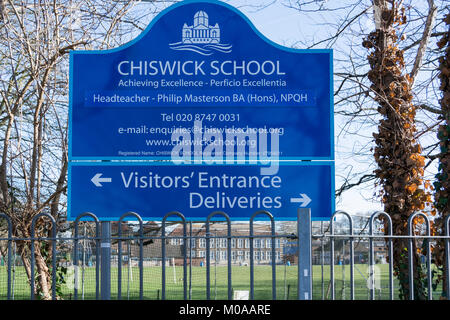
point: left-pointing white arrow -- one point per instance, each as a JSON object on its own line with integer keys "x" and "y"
{"x": 97, "y": 180}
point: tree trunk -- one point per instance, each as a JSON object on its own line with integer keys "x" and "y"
{"x": 442, "y": 183}
{"x": 43, "y": 275}
{"x": 397, "y": 153}
{"x": 22, "y": 248}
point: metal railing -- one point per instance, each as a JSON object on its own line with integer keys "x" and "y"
{"x": 185, "y": 258}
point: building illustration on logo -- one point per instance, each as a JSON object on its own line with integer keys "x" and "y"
{"x": 201, "y": 37}
{"x": 201, "y": 31}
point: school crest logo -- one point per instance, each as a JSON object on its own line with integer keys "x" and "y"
{"x": 201, "y": 37}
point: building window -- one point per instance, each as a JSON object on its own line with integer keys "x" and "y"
{"x": 269, "y": 255}
{"x": 211, "y": 255}
{"x": 263, "y": 242}
{"x": 223, "y": 243}
{"x": 278, "y": 255}
{"x": 192, "y": 243}
{"x": 217, "y": 253}
{"x": 223, "y": 255}
{"x": 268, "y": 243}
{"x": 277, "y": 243}
{"x": 202, "y": 243}
{"x": 257, "y": 255}
{"x": 247, "y": 255}
{"x": 233, "y": 243}
{"x": 176, "y": 241}
{"x": 240, "y": 243}
{"x": 263, "y": 255}
{"x": 211, "y": 243}
{"x": 257, "y": 243}
{"x": 247, "y": 243}
{"x": 233, "y": 255}
{"x": 201, "y": 254}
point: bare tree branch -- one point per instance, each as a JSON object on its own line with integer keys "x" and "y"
{"x": 424, "y": 41}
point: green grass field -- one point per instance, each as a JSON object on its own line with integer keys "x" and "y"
{"x": 286, "y": 283}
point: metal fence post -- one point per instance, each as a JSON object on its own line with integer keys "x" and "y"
{"x": 273, "y": 262}
{"x": 304, "y": 254}
{"x": 208, "y": 260}
{"x": 371, "y": 283}
{"x": 9, "y": 223}
{"x": 411, "y": 247}
{"x": 75, "y": 254}
{"x": 32, "y": 255}
{"x": 190, "y": 260}
{"x": 447, "y": 255}
{"x": 163, "y": 254}
{"x": 141, "y": 255}
{"x": 105, "y": 244}
{"x": 322, "y": 261}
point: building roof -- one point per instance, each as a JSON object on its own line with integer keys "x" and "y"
{"x": 237, "y": 229}
{"x": 201, "y": 14}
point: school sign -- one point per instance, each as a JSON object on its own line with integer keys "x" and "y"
{"x": 200, "y": 72}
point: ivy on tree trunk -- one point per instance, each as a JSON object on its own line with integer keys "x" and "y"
{"x": 442, "y": 182}
{"x": 397, "y": 153}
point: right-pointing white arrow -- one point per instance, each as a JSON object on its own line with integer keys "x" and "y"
{"x": 304, "y": 200}
{"x": 97, "y": 180}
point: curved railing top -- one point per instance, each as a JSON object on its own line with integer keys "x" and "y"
{"x": 40, "y": 215}
{"x": 86, "y": 214}
{"x": 447, "y": 226}
{"x": 90, "y": 215}
{"x": 411, "y": 219}
{"x": 8, "y": 221}
{"x": 349, "y": 218}
{"x": 266, "y": 213}
{"x": 173, "y": 213}
{"x": 127, "y": 215}
{"x": 377, "y": 214}
{"x": 262, "y": 212}
{"x": 218, "y": 213}
{"x": 386, "y": 216}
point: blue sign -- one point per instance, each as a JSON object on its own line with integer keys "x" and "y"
{"x": 111, "y": 189}
{"x": 203, "y": 62}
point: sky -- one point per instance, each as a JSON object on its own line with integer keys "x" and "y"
{"x": 288, "y": 27}
{"x": 291, "y": 28}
